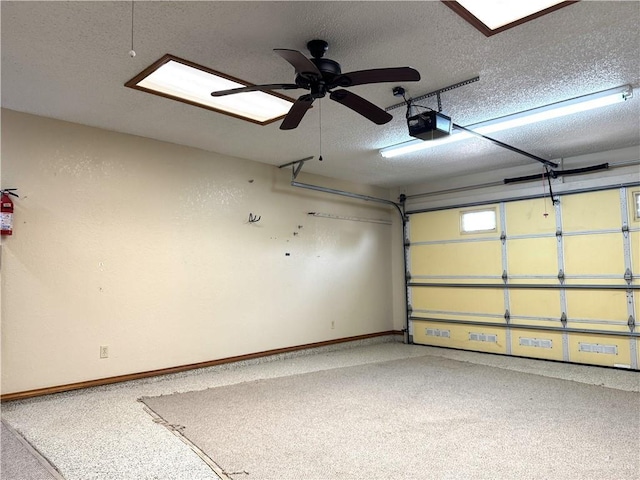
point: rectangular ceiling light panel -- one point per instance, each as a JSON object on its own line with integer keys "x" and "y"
{"x": 187, "y": 82}
{"x": 494, "y": 16}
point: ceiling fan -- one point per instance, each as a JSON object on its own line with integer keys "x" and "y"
{"x": 321, "y": 76}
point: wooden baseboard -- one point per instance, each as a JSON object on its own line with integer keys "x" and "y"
{"x": 182, "y": 368}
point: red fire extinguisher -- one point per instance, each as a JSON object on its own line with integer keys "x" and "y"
{"x": 7, "y": 212}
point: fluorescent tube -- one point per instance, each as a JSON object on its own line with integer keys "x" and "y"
{"x": 539, "y": 114}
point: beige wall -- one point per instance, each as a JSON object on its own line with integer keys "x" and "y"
{"x": 144, "y": 246}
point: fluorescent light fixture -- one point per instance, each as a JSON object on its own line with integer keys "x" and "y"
{"x": 539, "y": 114}
{"x": 498, "y": 13}
{"x": 494, "y": 16}
{"x": 187, "y": 82}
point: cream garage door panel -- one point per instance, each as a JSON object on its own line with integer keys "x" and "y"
{"x": 603, "y": 350}
{"x": 466, "y": 259}
{"x": 591, "y": 211}
{"x": 608, "y": 305}
{"x": 532, "y": 257}
{"x": 527, "y": 217}
{"x": 432, "y": 226}
{"x": 597, "y": 254}
{"x": 469, "y": 337}
{"x": 462, "y": 300}
{"x": 540, "y": 304}
{"x": 443, "y": 225}
{"x": 537, "y": 344}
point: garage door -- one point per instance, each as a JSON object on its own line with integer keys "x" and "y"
{"x": 531, "y": 278}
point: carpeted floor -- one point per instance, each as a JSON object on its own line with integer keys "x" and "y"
{"x": 415, "y": 418}
{"x": 20, "y": 461}
{"x": 104, "y": 433}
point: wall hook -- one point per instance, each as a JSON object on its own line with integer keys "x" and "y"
{"x": 254, "y": 218}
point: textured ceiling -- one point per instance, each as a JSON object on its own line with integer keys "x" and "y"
{"x": 69, "y": 60}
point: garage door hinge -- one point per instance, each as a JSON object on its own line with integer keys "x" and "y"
{"x": 407, "y": 275}
{"x": 558, "y": 233}
{"x": 503, "y": 237}
{"x": 628, "y": 276}
{"x": 625, "y": 230}
{"x": 407, "y": 244}
{"x": 563, "y": 319}
{"x": 631, "y": 322}
{"x": 561, "y": 276}
{"x": 409, "y": 309}
{"x": 507, "y": 316}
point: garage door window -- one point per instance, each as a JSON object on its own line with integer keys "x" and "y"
{"x": 478, "y": 221}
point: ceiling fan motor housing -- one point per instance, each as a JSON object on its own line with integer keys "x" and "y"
{"x": 329, "y": 69}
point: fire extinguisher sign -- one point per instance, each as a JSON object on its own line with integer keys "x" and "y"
{"x": 6, "y": 212}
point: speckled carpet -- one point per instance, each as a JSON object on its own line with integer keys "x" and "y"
{"x": 416, "y": 418}
{"x": 20, "y": 461}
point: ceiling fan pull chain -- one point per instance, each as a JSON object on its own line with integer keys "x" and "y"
{"x": 320, "y": 125}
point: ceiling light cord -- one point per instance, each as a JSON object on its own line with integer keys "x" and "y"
{"x": 132, "y": 52}
{"x": 400, "y": 92}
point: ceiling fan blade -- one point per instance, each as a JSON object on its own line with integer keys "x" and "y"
{"x": 253, "y": 88}
{"x": 376, "y": 75}
{"x": 302, "y": 64}
{"x": 361, "y": 106}
{"x": 297, "y": 111}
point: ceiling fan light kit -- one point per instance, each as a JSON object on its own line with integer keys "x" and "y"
{"x": 539, "y": 114}
{"x": 322, "y": 76}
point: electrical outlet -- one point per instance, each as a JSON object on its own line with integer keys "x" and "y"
{"x": 333, "y": 324}
{"x": 104, "y": 351}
